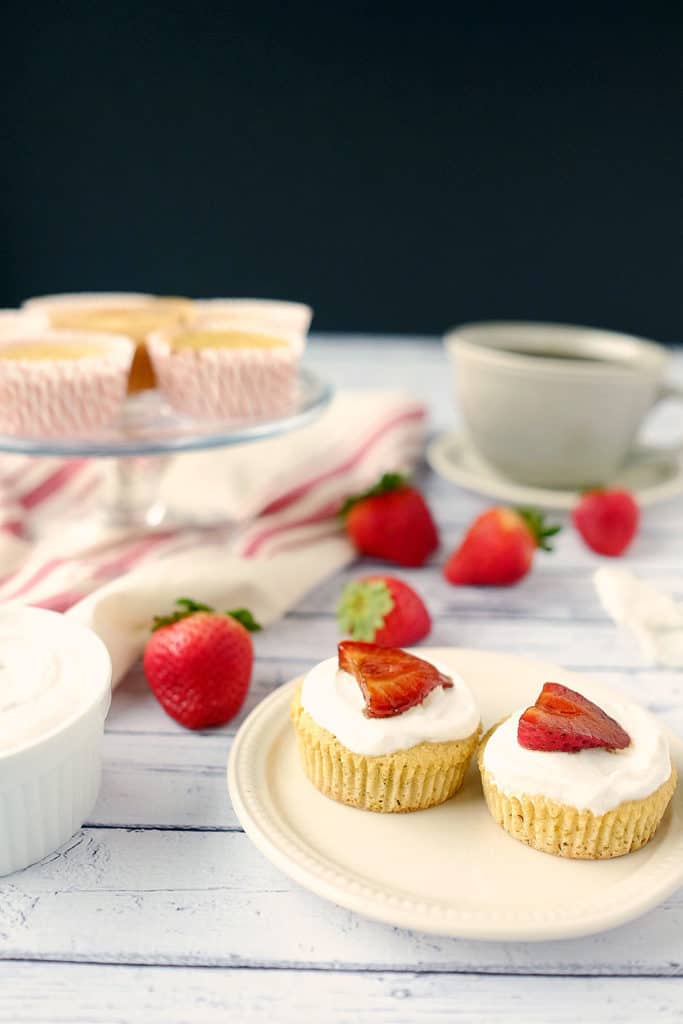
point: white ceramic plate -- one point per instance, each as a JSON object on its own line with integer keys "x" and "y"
{"x": 651, "y": 476}
{"x": 449, "y": 870}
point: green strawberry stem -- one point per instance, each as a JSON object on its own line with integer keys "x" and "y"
{"x": 537, "y": 526}
{"x": 363, "y": 608}
{"x": 388, "y": 482}
{"x": 188, "y": 607}
{"x": 244, "y": 616}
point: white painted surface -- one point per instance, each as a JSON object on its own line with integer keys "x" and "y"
{"x": 157, "y": 995}
{"x": 163, "y": 877}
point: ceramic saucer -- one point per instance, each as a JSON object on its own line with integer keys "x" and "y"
{"x": 651, "y": 475}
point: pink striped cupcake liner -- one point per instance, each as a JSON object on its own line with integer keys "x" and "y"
{"x": 65, "y": 397}
{"x": 222, "y": 383}
{"x": 291, "y": 319}
{"x": 20, "y": 323}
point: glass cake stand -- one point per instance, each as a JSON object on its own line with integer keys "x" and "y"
{"x": 149, "y": 434}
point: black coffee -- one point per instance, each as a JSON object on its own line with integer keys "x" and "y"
{"x": 573, "y": 357}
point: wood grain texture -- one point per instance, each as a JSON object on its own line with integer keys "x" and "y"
{"x": 163, "y": 875}
{"x": 37, "y": 994}
{"x": 181, "y": 897}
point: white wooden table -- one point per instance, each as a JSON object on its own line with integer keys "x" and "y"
{"x": 160, "y": 909}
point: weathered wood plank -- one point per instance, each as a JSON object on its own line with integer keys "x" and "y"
{"x": 575, "y": 644}
{"x": 164, "y": 897}
{"x": 167, "y": 777}
{"x": 165, "y": 781}
{"x": 35, "y": 994}
{"x": 134, "y": 709}
{"x": 554, "y": 590}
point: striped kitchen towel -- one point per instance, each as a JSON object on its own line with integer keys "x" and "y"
{"x": 275, "y": 503}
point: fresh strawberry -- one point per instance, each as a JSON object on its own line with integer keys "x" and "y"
{"x": 392, "y": 681}
{"x": 391, "y": 521}
{"x": 607, "y": 520}
{"x": 384, "y": 610}
{"x": 198, "y": 663}
{"x": 499, "y": 546}
{"x": 562, "y": 719}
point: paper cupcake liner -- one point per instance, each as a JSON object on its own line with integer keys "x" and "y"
{"x": 214, "y": 383}
{"x": 407, "y": 780}
{"x": 293, "y": 318}
{"x": 21, "y": 323}
{"x": 67, "y": 397}
{"x": 62, "y": 301}
{"x": 566, "y": 831}
{"x": 66, "y": 310}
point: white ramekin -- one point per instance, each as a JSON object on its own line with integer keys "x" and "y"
{"x": 48, "y": 786}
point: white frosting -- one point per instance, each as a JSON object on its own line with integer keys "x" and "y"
{"x": 334, "y": 700}
{"x": 596, "y": 780}
{"x": 49, "y": 671}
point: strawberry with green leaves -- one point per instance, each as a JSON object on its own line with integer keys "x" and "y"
{"x": 198, "y": 663}
{"x": 391, "y": 521}
{"x": 383, "y": 610}
{"x": 498, "y": 548}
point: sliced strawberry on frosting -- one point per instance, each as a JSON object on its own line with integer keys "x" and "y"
{"x": 391, "y": 680}
{"x": 564, "y": 720}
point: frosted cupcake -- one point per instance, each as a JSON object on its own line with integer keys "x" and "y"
{"x": 21, "y": 323}
{"x": 291, "y": 319}
{"x": 62, "y": 383}
{"x": 133, "y": 314}
{"x": 578, "y": 780}
{"x": 383, "y": 730}
{"x": 226, "y": 373}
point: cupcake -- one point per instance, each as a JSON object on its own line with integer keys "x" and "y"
{"x": 62, "y": 383}
{"x": 292, "y": 319}
{"x": 226, "y": 373}
{"x": 381, "y": 729}
{"x": 570, "y": 778}
{"x": 132, "y": 314}
{"x": 20, "y": 323}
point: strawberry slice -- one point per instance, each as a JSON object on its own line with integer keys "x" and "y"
{"x": 562, "y": 719}
{"x": 391, "y": 680}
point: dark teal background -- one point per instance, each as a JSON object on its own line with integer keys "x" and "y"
{"x": 401, "y": 167}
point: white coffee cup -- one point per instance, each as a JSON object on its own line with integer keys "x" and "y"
{"x": 554, "y": 405}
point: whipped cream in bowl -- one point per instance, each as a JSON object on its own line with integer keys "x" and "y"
{"x": 335, "y": 702}
{"x": 55, "y": 690}
{"x": 596, "y": 780}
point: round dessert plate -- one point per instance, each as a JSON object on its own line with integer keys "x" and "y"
{"x": 652, "y": 475}
{"x": 449, "y": 870}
